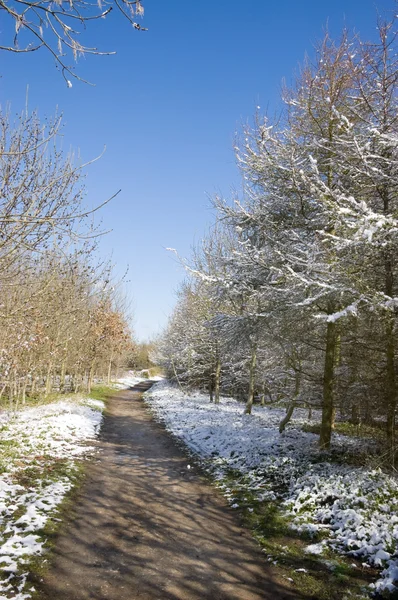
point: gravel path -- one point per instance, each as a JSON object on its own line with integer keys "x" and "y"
{"x": 145, "y": 526}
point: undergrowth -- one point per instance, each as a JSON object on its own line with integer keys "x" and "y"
{"x": 327, "y": 577}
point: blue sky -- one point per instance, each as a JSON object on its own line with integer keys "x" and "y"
{"x": 167, "y": 106}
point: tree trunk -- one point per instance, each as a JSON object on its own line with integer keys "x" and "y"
{"x": 88, "y": 381}
{"x": 48, "y": 379}
{"x": 176, "y": 375}
{"x": 252, "y": 376}
{"x": 337, "y": 364}
{"x": 354, "y": 414}
{"x": 75, "y": 383}
{"x": 3, "y": 390}
{"x": 292, "y": 405}
{"x": 24, "y": 385}
{"x": 110, "y": 368}
{"x": 390, "y": 379}
{"x": 211, "y": 389}
{"x": 14, "y": 391}
{"x": 11, "y": 394}
{"x": 265, "y": 392}
{"x": 108, "y": 377}
{"x": 62, "y": 377}
{"x": 390, "y": 389}
{"x": 328, "y": 387}
{"x": 90, "y": 376}
{"x": 217, "y": 382}
{"x": 33, "y": 385}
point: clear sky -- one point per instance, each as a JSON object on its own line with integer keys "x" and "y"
{"x": 167, "y": 106}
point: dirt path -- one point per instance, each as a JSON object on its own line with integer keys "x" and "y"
{"x": 147, "y": 527}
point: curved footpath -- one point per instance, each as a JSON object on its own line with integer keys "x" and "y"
{"x": 145, "y": 526}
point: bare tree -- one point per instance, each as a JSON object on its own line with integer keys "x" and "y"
{"x": 52, "y": 292}
{"x": 40, "y": 190}
{"x": 53, "y": 25}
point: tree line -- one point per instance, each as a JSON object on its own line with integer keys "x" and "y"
{"x": 62, "y": 318}
{"x": 293, "y": 294}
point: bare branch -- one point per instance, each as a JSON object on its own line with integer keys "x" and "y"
{"x": 48, "y": 25}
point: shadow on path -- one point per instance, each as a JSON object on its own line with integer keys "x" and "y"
{"x": 147, "y": 527}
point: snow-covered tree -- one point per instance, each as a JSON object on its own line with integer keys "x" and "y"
{"x": 188, "y": 349}
{"x": 303, "y": 279}
{"x": 362, "y": 200}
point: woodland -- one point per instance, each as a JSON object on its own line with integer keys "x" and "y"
{"x": 292, "y": 296}
{"x": 64, "y": 319}
{"x": 285, "y": 326}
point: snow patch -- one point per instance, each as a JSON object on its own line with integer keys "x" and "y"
{"x": 355, "y": 508}
{"x": 37, "y": 441}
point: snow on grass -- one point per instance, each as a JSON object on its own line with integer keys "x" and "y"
{"x": 38, "y": 451}
{"x": 355, "y": 509}
{"x": 128, "y": 381}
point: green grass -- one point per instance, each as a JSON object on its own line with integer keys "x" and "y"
{"x": 363, "y": 456}
{"x": 40, "y": 468}
{"x": 349, "y": 429}
{"x": 39, "y": 565}
{"x": 101, "y": 392}
{"x": 9, "y": 451}
{"x": 326, "y": 577}
{"x": 30, "y": 475}
{"x": 98, "y": 392}
{"x": 155, "y": 371}
{"x": 55, "y": 470}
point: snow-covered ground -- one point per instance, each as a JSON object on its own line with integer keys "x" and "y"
{"x": 38, "y": 451}
{"x": 355, "y": 509}
{"x": 131, "y": 379}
